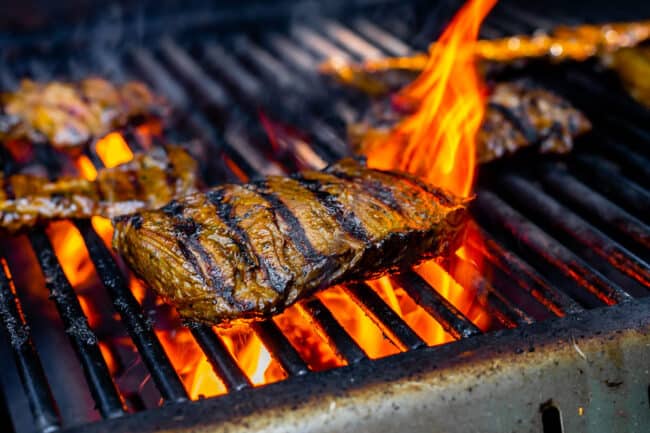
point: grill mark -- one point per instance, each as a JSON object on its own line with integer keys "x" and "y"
{"x": 297, "y": 233}
{"x": 279, "y": 280}
{"x": 345, "y": 217}
{"x": 191, "y": 247}
{"x": 374, "y": 188}
{"x": 521, "y": 123}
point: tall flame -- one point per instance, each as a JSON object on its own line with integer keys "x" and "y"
{"x": 437, "y": 142}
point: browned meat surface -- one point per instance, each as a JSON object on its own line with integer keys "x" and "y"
{"x": 69, "y": 115}
{"x": 148, "y": 181}
{"x": 245, "y": 251}
{"x": 517, "y": 115}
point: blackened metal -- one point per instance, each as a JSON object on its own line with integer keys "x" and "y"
{"x": 523, "y": 274}
{"x": 535, "y": 200}
{"x": 280, "y": 348}
{"x": 84, "y": 340}
{"x": 449, "y": 317}
{"x": 606, "y": 177}
{"x": 220, "y": 358}
{"x": 494, "y": 302}
{"x": 215, "y": 97}
{"x": 140, "y": 329}
{"x": 637, "y": 166}
{"x": 218, "y": 60}
{"x": 595, "y": 206}
{"x": 500, "y": 214}
{"x": 161, "y": 79}
{"x": 305, "y": 401}
{"x": 379, "y": 311}
{"x": 344, "y": 345}
{"x": 5, "y": 414}
{"x": 28, "y": 363}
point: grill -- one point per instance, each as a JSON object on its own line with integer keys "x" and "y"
{"x": 565, "y": 243}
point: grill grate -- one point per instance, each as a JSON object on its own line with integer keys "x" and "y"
{"x": 528, "y": 226}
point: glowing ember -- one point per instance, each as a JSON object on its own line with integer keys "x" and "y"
{"x": 113, "y": 150}
{"x": 86, "y": 168}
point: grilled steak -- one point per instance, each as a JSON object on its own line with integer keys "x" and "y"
{"x": 517, "y": 115}
{"x": 69, "y": 115}
{"x": 244, "y": 251}
{"x": 147, "y": 181}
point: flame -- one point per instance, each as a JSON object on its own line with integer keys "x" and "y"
{"x": 437, "y": 141}
{"x": 308, "y": 340}
{"x": 360, "y": 327}
{"x": 427, "y": 328}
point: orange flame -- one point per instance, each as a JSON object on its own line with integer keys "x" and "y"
{"x": 437, "y": 141}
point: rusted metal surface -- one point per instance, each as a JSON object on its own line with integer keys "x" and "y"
{"x": 593, "y": 367}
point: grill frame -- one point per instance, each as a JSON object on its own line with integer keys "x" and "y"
{"x": 212, "y": 88}
{"x": 598, "y": 355}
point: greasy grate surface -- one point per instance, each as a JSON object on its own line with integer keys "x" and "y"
{"x": 559, "y": 236}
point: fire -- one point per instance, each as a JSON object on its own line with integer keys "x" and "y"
{"x": 437, "y": 142}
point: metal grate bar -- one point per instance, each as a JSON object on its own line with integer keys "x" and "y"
{"x": 608, "y": 179}
{"x": 595, "y": 205}
{"x": 214, "y": 94}
{"x": 280, "y": 348}
{"x": 161, "y": 78}
{"x": 535, "y": 200}
{"x": 221, "y": 62}
{"x": 350, "y": 40}
{"x": 637, "y": 166}
{"x": 346, "y": 347}
{"x": 392, "y": 45}
{"x": 82, "y": 337}
{"x": 268, "y": 66}
{"x": 292, "y": 53}
{"x": 258, "y": 95}
{"x": 317, "y": 44}
{"x": 499, "y": 213}
{"x": 452, "y": 320}
{"x": 139, "y": 328}
{"x": 30, "y": 369}
{"x": 522, "y": 273}
{"x": 464, "y": 273}
{"x": 220, "y": 358}
{"x": 372, "y": 303}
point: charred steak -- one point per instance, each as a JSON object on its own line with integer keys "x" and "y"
{"x": 244, "y": 251}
